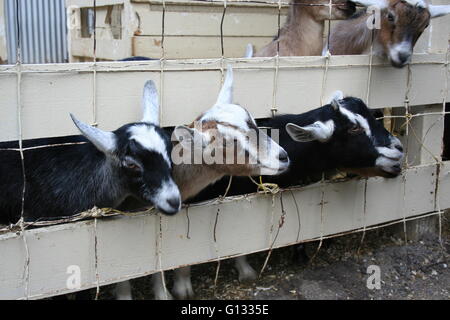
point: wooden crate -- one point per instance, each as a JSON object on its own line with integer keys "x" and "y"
{"x": 192, "y": 29}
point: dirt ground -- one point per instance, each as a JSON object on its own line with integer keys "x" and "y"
{"x": 413, "y": 270}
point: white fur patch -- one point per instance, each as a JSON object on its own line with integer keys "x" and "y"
{"x": 168, "y": 190}
{"x": 151, "y": 140}
{"x": 387, "y": 164}
{"x": 391, "y": 153}
{"x": 378, "y": 3}
{"x": 229, "y": 113}
{"x": 399, "y": 48}
{"x": 357, "y": 119}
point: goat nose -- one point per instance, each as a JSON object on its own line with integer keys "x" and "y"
{"x": 283, "y": 156}
{"x": 403, "y": 56}
{"x": 174, "y": 202}
{"x": 399, "y": 148}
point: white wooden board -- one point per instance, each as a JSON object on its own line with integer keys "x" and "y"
{"x": 50, "y": 92}
{"x": 127, "y": 246}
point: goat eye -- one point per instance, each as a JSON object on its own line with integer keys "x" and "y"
{"x": 355, "y": 129}
{"x": 131, "y": 165}
{"x": 390, "y": 17}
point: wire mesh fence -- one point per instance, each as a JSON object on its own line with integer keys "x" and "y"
{"x": 420, "y": 128}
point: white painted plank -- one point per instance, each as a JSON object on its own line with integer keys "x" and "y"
{"x": 50, "y": 92}
{"x": 127, "y": 246}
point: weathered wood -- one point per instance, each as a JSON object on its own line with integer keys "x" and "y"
{"x": 127, "y": 247}
{"x": 50, "y": 92}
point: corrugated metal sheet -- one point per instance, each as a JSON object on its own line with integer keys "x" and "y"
{"x": 40, "y": 28}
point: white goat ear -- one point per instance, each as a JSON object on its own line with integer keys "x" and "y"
{"x": 318, "y": 131}
{"x": 226, "y": 93}
{"x": 438, "y": 11}
{"x": 150, "y": 104}
{"x": 188, "y": 137}
{"x": 382, "y": 4}
{"x": 103, "y": 140}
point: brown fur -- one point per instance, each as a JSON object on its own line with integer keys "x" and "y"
{"x": 302, "y": 35}
{"x": 192, "y": 178}
{"x": 353, "y": 37}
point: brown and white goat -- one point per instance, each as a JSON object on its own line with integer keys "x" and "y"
{"x": 401, "y": 22}
{"x": 223, "y": 128}
{"x": 302, "y": 34}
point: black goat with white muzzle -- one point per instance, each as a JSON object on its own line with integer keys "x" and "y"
{"x": 341, "y": 135}
{"x": 100, "y": 169}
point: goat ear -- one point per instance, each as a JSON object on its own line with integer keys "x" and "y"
{"x": 188, "y": 137}
{"x": 103, "y": 140}
{"x": 382, "y": 4}
{"x": 438, "y": 11}
{"x": 150, "y": 104}
{"x": 226, "y": 93}
{"x": 318, "y": 131}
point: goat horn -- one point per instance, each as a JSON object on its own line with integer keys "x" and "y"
{"x": 368, "y": 3}
{"x": 150, "y": 103}
{"x": 104, "y": 141}
{"x": 439, "y": 11}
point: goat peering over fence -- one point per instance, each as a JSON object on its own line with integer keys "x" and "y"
{"x": 400, "y": 26}
{"x": 100, "y": 169}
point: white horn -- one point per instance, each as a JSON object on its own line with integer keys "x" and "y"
{"x": 334, "y": 101}
{"x": 249, "y": 51}
{"x": 438, "y": 11}
{"x": 103, "y": 140}
{"x": 382, "y": 4}
{"x": 150, "y": 104}
{"x": 226, "y": 93}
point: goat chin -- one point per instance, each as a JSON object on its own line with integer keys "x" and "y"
{"x": 369, "y": 172}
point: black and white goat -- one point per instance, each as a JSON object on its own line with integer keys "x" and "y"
{"x": 103, "y": 170}
{"x": 223, "y": 128}
{"x": 341, "y": 135}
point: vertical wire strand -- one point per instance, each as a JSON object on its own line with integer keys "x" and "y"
{"x": 274, "y": 108}
{"x": 26, "y": 272}
{"x": 94, "y": 120}
{"x": 327, "y": 56}
{"x": 162, "y": 60}
{"x": 408, "y": 123}
{"x": 444, "y": 102}
{"x": 322, "y": 205}
{"x": 222, "y": 71}
{"x": 271, "y": 241}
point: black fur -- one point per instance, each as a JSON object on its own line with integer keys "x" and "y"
{"x": 65, "y": 180}
{"x": 310, "y": 159}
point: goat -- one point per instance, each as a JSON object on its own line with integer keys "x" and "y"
{"x": 102, "y": 169}
{"x": 302, "y": 34}
{"x": 343, "y": 134}
{"x": 401, "y": 24}
{"x": 222, "y": 126}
